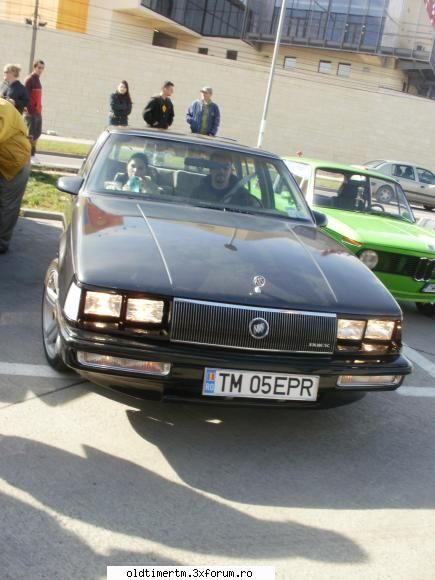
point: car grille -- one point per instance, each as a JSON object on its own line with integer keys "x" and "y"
{"x": 227, "y": 325}
{"x": 420, "y": 269}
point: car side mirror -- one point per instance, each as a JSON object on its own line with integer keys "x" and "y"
{"x": 320, "y": 218}
{"x": 70, "y": 184}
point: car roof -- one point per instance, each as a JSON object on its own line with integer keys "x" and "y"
{"x": 226, "y": 144}
{"x": 319, "y": 164}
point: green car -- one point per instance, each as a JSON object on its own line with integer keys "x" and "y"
{"x": 383, "y": 234}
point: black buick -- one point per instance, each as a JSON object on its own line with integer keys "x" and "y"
{"x": 192, "y": 268}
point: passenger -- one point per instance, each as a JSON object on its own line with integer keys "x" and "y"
{"x": 222, "y": 186}
{"x": 136, "y": 178}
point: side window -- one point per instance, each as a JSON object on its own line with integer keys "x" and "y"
{"x": 404, "y": 171}
{"x": 425, "y": 176}
{"x": 326, "y": 187}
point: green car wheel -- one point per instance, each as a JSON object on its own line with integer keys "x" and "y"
{"x": 426, "y": 308}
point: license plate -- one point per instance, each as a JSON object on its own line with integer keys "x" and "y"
{"x": 232, "y": 383}
{"x": 429, "y": 288}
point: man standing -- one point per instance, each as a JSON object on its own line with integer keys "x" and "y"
{"x": 159, "y": 111}
{"x": 12, "y": 90}
{"x": 14, "y": 169}
{"x": 33, "y": 116}
{"x": 203, "y": 115}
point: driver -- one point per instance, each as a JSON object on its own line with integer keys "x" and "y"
{"x": 222, "y": 186}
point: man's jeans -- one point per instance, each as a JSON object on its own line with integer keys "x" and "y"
{"x": 11, "y": 194}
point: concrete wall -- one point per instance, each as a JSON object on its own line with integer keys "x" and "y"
{"x": 324, "y": 115}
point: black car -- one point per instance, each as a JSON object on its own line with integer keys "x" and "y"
{"x": 192, "y": 268}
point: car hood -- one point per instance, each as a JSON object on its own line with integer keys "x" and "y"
{"x": 205, "y": 254}
{"x": 385, "y": 233}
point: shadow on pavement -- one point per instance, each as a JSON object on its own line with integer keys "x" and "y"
{"x": 372, "y": 455}
{"x": 123, "y": 497}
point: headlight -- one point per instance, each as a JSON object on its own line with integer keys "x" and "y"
{"x": 380, "y": 329}
{"x": 350, "y": 329}
{"x": 143, "y": 310}
{"x": 369, "y": 258}
{"x": 72, "y": 302}
{"x": 103, "y": 304}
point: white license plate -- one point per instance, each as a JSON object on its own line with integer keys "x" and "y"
{"x": 232, "y": 383}
{"x": 429, "y": 288}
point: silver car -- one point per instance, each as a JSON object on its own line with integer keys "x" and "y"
{"x": 418, "y": 182}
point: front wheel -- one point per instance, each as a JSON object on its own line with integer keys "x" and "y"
{"x": 426, "y": 308}
{"x": 384, "y": 194}
{"x": 50, "y": 326}
{"x": 428, "y": 207}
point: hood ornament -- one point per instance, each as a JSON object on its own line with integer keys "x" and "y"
{"x": 259, "y": 283}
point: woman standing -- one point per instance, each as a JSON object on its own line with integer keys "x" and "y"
{"x": 120, "y": 105}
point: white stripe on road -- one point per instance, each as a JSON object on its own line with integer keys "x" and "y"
{"x": 416, "y": 391}
{"x": 419, "y": 360}
{"x": 26, "y": 370}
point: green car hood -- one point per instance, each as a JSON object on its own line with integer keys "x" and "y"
{"x": 380, "y": 232}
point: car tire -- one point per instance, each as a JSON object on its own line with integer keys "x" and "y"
{"x": 50, "y": 326}
{"x": 428, "y": 207}
{"x": 384, "y": 194}
{"x": 426, "y": 308}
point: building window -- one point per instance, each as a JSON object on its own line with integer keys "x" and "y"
{"x": 289, "y": 62}
{"x": 325, "y": 66}
{"x": 202, "y": 50}
{"x": 232, "y": 54}
{"x": 343, "y": 69}
{"x": 162, "y": 39}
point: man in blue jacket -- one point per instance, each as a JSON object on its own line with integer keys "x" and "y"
{"x": 203, "y": 115}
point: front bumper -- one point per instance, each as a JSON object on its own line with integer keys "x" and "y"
{"x": 185, "y": 380}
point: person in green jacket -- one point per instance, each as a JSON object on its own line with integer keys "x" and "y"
{"x": 15, "y": 152}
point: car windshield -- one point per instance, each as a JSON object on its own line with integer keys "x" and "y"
{"x": 358, "y": 192}
{"x": 203, "y": 175}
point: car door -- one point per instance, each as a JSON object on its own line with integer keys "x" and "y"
{"x": 407, "y": 177}
{"x": 426, "y": 180}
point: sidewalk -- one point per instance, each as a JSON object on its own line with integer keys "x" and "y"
{"x": 67, "y": 139}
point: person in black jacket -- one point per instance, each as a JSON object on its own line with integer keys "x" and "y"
{"x": 12, "y": 89}
{"x": 120, "y": 105}
{"x": 159, "y": 111}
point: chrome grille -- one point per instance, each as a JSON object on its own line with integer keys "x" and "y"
{"x": 227, "y": 325}
{"x": 425, "y": 270}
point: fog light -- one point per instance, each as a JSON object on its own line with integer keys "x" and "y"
{"x": 369, "y": 381}
{"x": 130, "y": 365}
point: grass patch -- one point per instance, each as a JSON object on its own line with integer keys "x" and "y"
{"x": 41, "y": 193}
{"x": 63, "y": 147}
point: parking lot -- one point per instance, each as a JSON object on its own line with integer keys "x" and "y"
{"x": 88, "y": 481}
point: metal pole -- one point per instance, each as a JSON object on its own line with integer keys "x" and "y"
{"x": 271, "y": 73}
{"x": 34, "y": 31}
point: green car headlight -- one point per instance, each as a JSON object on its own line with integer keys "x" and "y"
{"x": 350, "y": 329}
{"x": 379, "y": 329}
{"x": 103, "y": 304}
{"x": 143, "y": 310}
{"x": 370, "y": 258}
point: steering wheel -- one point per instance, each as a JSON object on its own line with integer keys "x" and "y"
{"x": 248, "y": 200}
{"x": 377, "y": 205}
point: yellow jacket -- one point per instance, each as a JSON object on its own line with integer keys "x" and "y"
{"x": 14, "y": 142}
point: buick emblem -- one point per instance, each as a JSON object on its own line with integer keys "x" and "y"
{"x": 259, "y": 282}
{"x": 258, "y": 328}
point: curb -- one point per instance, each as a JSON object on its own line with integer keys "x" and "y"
{"x": 56, "y": 154}
{"x": 42, "y": 214}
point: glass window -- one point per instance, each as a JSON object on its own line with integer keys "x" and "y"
{"x": 343, "y": 69}
{"x": 232, "y": 54}
{"x": 425, "y": 176}
{"x": 404, "y": 171}
{"x": 173, "y": 171}
{"x": 289, "y": 62}
{"x": 325, "y": 66}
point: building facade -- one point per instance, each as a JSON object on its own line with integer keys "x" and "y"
{"x": 347, "y": 69}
